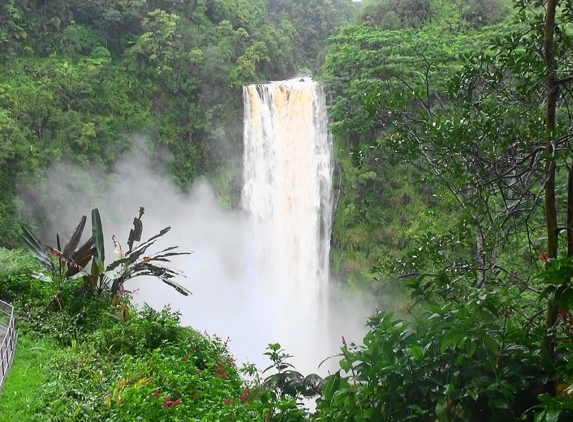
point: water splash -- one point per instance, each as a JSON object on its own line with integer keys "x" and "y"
{"x": 288, "y": 192}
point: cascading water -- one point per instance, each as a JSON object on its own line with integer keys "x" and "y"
{"x": 288, "y": 193}
{"x": 261, "y": 279}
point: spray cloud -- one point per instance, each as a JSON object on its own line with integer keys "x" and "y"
{"x": 231, "y": 296}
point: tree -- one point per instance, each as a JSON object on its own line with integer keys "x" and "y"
{"x": 406, "y": 13}
{"x": 498, "y": 138}
{"x": 502, "y": 155}
{"x": 80, "y": 78}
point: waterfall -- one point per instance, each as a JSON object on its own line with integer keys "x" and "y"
{"x": 287, "y": 165}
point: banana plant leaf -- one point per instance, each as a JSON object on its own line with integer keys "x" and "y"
{"x": 69, "y": 263}
{"x": 141, "y": 269}
{"x": 135, "y": 233}
{"x": 42, "y": 277}
{"x": 97, "y": 234}
{"x": 135, "y": 254}
{"x": 74, "y": 260}
{"x": 178, "y": 287}
{"x": 82, "y": 257}
{"x": 74, "y": 239}
{"x": 36, "y": 248}
{"x": 150, "y": 241}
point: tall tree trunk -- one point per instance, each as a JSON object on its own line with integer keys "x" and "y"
{"x": 569, "y": 219}
{"x": 550, "y": 210}
{"x": 481, "y": 258}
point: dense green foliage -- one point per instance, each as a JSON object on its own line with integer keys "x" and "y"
{"x": 78, "y": 80}
{"x": 452, "y": 14}
{"x": 109, "y": 362}
{"x": 487, "y": 334}
{"x": 449, "y": 134}
{"x": 466, "y": 355}
{"x": 393, "y": 208}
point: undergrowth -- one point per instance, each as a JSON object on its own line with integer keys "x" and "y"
{"x": 457, "y": 353}
{"x": 82, "y": 359}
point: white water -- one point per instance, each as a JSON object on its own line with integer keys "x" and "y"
{"x": 288, "y": 193}
{"x": 258, "y": 275}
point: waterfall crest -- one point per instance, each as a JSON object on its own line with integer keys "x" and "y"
{"x": 287, "y": 165}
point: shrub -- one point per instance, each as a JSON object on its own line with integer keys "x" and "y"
{"x": 468, "y": 354}
{"x": 15, "y": 268}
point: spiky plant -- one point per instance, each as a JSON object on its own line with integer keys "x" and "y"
{"x": 72, "y": 262}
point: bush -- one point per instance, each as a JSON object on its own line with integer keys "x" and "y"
{"x": 137, "y": 332}
{"x": 159, "y": 371}
{"x": 468, "y": 354}
{"x": 16, "y": 265}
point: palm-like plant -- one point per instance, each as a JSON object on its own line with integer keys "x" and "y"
{"x": 72, "y": 261}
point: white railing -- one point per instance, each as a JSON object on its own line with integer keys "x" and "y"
{"x": 8, "y": 339}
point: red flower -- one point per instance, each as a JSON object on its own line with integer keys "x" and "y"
{"x": 228, "y": 402}
{"x": 544, "y": 256}
{"x": 157, "y": 393}
{"x": 221, "y": 371}
{"x": 245, "y": 396}
{"x": 170, "y": 403}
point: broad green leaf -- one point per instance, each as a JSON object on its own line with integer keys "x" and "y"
{"x": 417, "y": 351}
{"x": 552, "y": 415}
{"x": 332, "y": 385}
{"x": 74, "y": 238}
{"x": 490, "y": 344}
{"x": 97, "y": 234}
{"x": 87, "y": 410}
{"x": 471, "y": 346}
{"x": 452, "y": 337}
{"x": 35, "y": 247}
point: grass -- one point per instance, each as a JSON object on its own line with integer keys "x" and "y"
{"x": 26, "y": 379}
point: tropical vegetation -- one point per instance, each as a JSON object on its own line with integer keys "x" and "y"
{"x": 454, "y": 190}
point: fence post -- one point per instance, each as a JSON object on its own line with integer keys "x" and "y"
{"x": 8, "y": 341}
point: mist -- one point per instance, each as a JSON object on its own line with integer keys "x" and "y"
{"x": 229, "y": 300}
